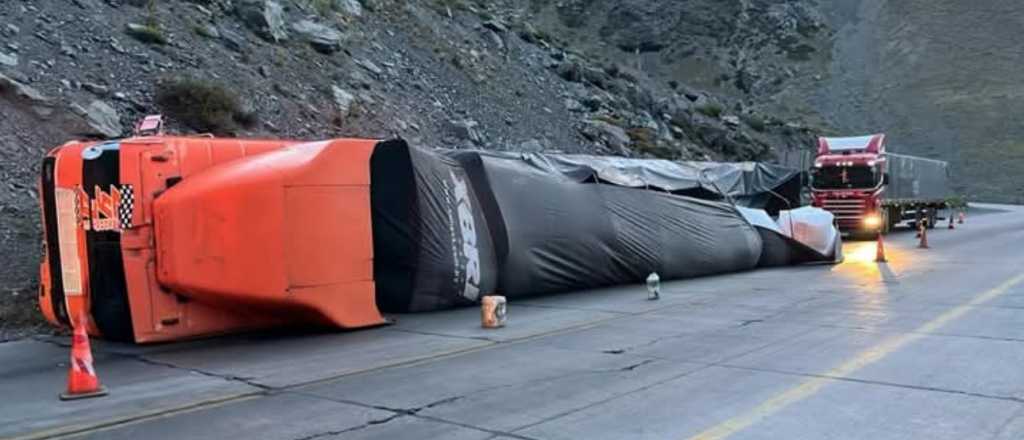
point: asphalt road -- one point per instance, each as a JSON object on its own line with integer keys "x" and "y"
{"x": 928, "y": 346}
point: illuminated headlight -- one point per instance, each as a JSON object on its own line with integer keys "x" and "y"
{"x": 872, "y": 221}
{"x": 871, "y": 163}
{"x": 818, "y": 165}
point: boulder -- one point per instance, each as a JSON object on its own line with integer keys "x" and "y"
{"x": 466, "y": 130}
{"x": 495, "y": 26}
{"x": 96, "y": 89}
{"x": 344, "y": 100}
{"x": 324, "y": 39}
{"x": 10, "y": 86}
{"x": 611, "y": 135}
{"x": 9, "y": 60}
{"x": 232, "y": 40}
{"x": 731, "y": 120}
{"x": 264, "y": 17}
{"x": 573, "y": 105}
{"x": 369, "y": 66}
{"x": 530, "y": 34}
{"x": 102, "y": 119}
{"x": 351, "y": 8}
{"x": 531, "y": 146}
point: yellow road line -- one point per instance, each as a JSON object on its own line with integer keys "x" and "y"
{"x": 861, "y": 360}
{"x": 79, "y": 429}
{"x": 84, "y": 428}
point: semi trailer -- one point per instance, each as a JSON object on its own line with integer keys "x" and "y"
{"x": 160, "y": 238}
{"x": 870, "y": 190}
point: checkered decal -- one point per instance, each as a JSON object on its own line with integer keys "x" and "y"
{"x": 126, "y": 207}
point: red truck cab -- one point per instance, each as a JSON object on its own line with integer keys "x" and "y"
{"x": 136, "y": 232}
{"x": 849, "y": 180}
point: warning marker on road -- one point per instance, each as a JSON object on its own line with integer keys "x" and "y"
{"x": 82, "y": 380}
{"x": 653, "y": 286}
{"x": 923, "y": 233}
{"x": 962, "y": 216}
{"x": 493, "y": 311}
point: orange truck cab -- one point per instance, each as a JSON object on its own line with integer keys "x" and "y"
{"x": 138, "y": 232}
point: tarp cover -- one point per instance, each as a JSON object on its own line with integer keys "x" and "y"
{"x": 432, "y": 247}
{"x": 560, "y": 234}
{"x": 813, "y": 227}
{"x": 750, "y": 184}
{"x": 816, "y": 238}
{"x": 451, "y": 226}
{"x": 916, "y": 178}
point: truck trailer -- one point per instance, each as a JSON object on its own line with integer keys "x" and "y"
{"x": 870, "y": 190}
{"x": 161, "y": 238}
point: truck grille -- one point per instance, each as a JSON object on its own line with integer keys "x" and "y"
{"x": 846, "y": 211}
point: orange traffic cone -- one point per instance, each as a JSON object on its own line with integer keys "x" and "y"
{"x": 962, "y": 215}
{"x": 880, "y": 252}
{"x": 924, "y": 237}
{"x": 82, "y": 380}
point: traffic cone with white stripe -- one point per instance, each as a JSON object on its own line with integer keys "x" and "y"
{"x": 82, "y": 380}
{"x": 962, "y": 215}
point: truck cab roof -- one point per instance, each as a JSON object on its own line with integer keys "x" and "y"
{"x": 870, "y": 144}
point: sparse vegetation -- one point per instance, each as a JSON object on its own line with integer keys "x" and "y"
{"x": 645, "y": 141}
{"x": 151, "y": 14}
{"x": 150, "y": 31}
{"x": 711, "y": 109}
{"x": 610, "y": 119}
{"x": 322, "y": 7}
{"x": 957, "y": 202}
{"x": 203, "y": 31}
{"x": 202, "y": 105}
{"x": 754, "y": 122}
{"x": 146, "y": 33}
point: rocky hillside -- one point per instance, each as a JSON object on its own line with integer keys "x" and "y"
{"x": 942, "y": 77}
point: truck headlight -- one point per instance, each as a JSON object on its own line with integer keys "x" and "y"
{"x": 872, "y": 221}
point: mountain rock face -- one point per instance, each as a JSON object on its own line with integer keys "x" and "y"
{"x": 679, "y": 79}
{"x": 941, "y": 77}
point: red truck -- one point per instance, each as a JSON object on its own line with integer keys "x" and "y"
{"x": 870, "y": 190}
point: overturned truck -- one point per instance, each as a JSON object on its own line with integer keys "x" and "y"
{"x": 163, "y": 238}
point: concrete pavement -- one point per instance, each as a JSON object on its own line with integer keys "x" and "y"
{"x": 927, "y": 346}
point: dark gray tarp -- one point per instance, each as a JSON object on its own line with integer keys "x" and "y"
{"x": 559, "y": 234}
{"x": 916, "y": 178}
{"x": 451, "y": 226}
{"x": 432, "y": 247}
{"x": 751, "y": 184}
